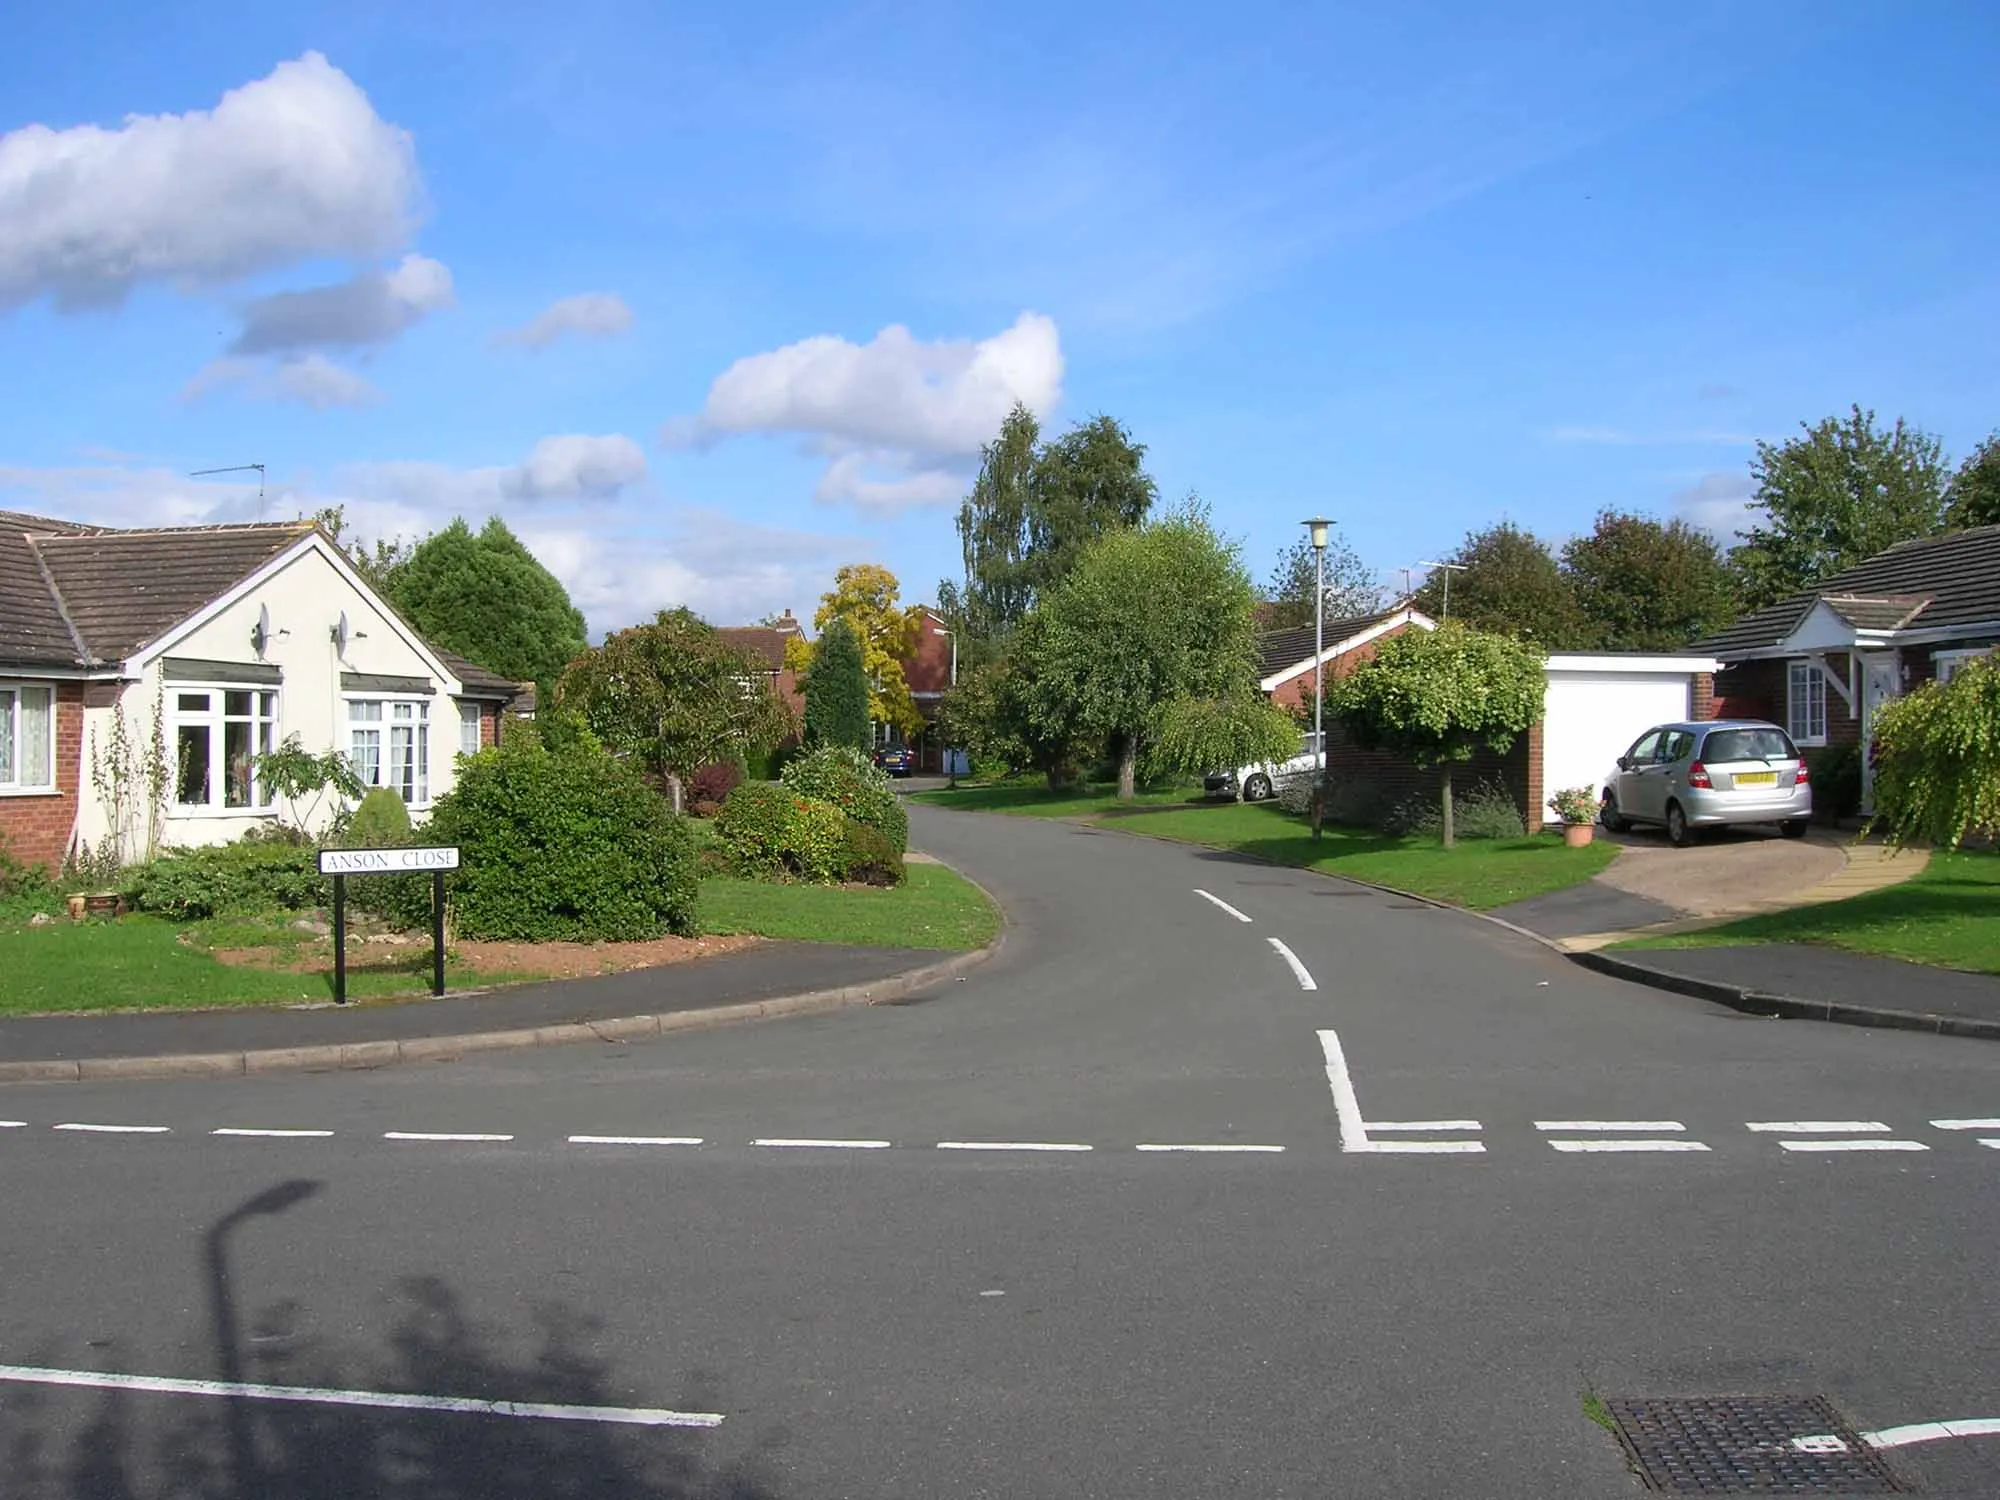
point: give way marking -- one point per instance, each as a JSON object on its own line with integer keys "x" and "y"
{"x": 552, "y": 1411}
{"x": 1354, "y": 1128}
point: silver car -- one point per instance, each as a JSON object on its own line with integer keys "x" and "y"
{"x": 1706, "y": 774}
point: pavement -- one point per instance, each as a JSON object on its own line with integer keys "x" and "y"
{"x": 1219, "y": 1179}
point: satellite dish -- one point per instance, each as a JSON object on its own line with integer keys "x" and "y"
{"x": 340, "y": 635}
{"x": 260, "y": 633}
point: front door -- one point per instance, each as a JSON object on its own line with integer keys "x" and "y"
{"x": 1881, "y": 682}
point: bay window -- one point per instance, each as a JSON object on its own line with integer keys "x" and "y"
{"x": 1805, "y": 704}
{"x": 27, "y": 738}
{"x": 217, "y": 733}
{"x": 389, "y": 743}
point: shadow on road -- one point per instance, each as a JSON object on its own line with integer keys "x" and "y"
{"x": 74, "y": 1444}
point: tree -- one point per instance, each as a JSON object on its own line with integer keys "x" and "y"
{"x": 1974, "y": 496}
{"x": 1437, "y": 696}
{"x": 1150, "y": 644}
{"x": 1841, "y": 493}
{"x": 1510, "y": 583}
{"x": 674, "y": 696}
{"x": 864, "y": 595}
{"x": 1032, "y": 510}
{"x": 1937, "y": 767}
{"x": 377, "y": 562}
{"x": 485, "y": 596}
{"x": 836, "y": 690}
{"x": 1351, "y": 587}
{"x": 1644, "y": 585}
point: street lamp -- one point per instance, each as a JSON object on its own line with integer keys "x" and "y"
{"x": 1316, "y": 530}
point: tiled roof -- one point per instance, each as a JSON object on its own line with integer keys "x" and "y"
{"x": 1886, "y": 612}
{"x": 1290, "y": 648}
{"x": 479, "y": 683}
{"x": 33, "y": 632}
{"x": 1958, "y": 572}
{"x": 122, "y": 589}
{"x": 764, "y": 642}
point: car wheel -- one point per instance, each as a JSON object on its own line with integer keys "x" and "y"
{"x": 1796, "y": 829}
{"x": 1609, "y": 815}
{"x": 1257, "y": 788}
{"x": 1679, "y": 834}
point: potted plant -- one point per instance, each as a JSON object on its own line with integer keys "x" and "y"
{"x": 1577, "y": 807}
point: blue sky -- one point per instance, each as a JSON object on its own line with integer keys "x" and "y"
{"x": 709, "y": 302}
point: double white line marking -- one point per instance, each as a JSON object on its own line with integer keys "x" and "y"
{"x": 1848, "y": 1135}
{"x": 1354, "y": 1129}
{"x": 1616, "y": 1136}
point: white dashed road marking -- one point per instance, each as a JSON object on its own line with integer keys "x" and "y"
{"x": 1010, "y": 1146}
{"x": 1965, "y": 1124}
{"x": 814, "y": 1145}
{"x": 442, "y": 1135}
{"x": 635, "y": 1140}
{"x": 13, "y": 1124}
{"x": 118, "y": 1129}
{"x": 1372, "y": 1126}
{"x": 628, "y": 1416}
{"x": 1816, "y": 1127}
{"x": 1606, "y": 1145}
{"x": 1864, "y": 1144}
{"x": 282, "y": 1135}
{"x": 1630, "y": 1127}
{"x": 1299, "y": 970}
{"x": 1217, "y": 1147}
{"x": 1221, "y": 903}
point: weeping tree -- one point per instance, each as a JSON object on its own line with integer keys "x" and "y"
{"x": 1439, "y": 696}
{"x": 1937, "y": 760}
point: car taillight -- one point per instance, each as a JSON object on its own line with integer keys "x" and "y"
{"x": 1804, "y": 775}
{"x": 1698, "y": 776}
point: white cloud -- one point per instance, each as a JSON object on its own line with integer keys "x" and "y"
{"x": 1718, "y": 503}
{"x": 292, "y": 166}
{"x": 311, "y": 379}
{"x": 589, "y": 315}
{"x": 896, "y": 391}
{"x": 573, "y": 466}
{"x": 848, "y": 479}
{"x": 366, "y": 310}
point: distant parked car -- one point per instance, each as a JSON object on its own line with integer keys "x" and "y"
{"x": 1706, "y": 775}
{"x": 1263, "y": 780}
{"x": 897, "y": 760}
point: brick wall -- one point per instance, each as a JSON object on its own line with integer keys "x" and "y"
{"x": 1397, "y": 779}
{"x": 1296, "y": 692}
{"x": 37, "y": 828}
{"x": 489, "y": 725}
{"x": 1701, "y": 696}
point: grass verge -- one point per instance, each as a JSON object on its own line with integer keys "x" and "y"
{"x": 935, "y": 908}
{"x": 1948, "y": 915}
{"x": 1033, "y": 799}
{"x": 1478, "y": 873}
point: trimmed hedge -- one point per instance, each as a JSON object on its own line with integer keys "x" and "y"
{"x": 254, "y": 875}
{"x": 563, "y": 845}
{"x": 853, "y": 783}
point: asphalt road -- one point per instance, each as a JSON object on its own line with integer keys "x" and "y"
{"x": 926, "y": 1309}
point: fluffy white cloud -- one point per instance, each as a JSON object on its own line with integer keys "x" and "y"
{"x": 573, "y": 466}
{"x": 587, "y": 315}
{"x": 895, "y": 391}
{"x": 311, "y": 380}
{"x": 365, "y": 310}
{"x": 292, "y": 166}
{"x": 848, "y": 479}
{"x": 1718, "y": 503}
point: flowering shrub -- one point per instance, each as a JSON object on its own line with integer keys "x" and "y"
{"x": 854, "y": 784}
{"x": 1574, "y": 804}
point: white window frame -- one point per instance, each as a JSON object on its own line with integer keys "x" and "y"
{"x": 16, "y": 752}
{"x": 1948, "y": 662}
{"x": 217, "y": 719}
{"x": 1803, "y": 670}
{"x": 419, "y": 722}
{"x": 471, "y": 724}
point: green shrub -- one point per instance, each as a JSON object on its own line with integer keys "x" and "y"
{"x": 1836, "y": 781}
{"x": 562, "y": 845}
{"x": 751, "y": 826}
{"x": 1485, "y": 811}
{"x": 816, "y": 841}
{"x": 853, "y": 783}
{"x": 254, "y": 875}
{"x": 380, "y": 822}
{"x": 867, "y": 857}
{"x": 24, "y": 888}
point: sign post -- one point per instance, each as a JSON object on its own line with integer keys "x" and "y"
{"x": 341, "y": 863}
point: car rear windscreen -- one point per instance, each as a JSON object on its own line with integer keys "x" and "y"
{"x": 1748, "y": 744}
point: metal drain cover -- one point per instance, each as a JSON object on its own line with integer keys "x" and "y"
{"x": 1747, "y": 1445}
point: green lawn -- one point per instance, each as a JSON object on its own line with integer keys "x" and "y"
{"x": 1478, "y": 873}
{"x": 1033, "y": 798}
{"x": 1948, "y": 915}
{"x": 935, "y": 908}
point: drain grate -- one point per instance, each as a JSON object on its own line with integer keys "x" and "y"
{"x": 1748, "y": 1445}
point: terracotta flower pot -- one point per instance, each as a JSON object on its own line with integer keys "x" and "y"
{"x": 75, "y": 905}
{"x": 1576, "y": 835}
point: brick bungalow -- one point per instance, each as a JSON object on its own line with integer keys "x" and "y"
{"x": 210, "y": 645}
{"x": 765, "y": 644}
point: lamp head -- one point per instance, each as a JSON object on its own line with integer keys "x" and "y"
{"x": 1316, "y": 528}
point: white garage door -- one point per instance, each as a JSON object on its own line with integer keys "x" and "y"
{"x": 1590, "y": 718}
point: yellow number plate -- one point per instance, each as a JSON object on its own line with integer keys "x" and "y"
{"x": 1756, "y": 778}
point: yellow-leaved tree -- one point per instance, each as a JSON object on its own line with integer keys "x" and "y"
{"x": 865, "y": 595}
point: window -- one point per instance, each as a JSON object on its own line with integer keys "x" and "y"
{"x": 1644, "y": 749}
{"x": 1726, "y": 745}
{"x": 1805, "y": 704}
{"x": 1950, "y": 663}
{"x": 1675, "y": 745}
{"x": 217, "y": 735}
{"x": 27, "y": 739}
{"x": 468, "y": 728}
{"x": 389, "y": 742}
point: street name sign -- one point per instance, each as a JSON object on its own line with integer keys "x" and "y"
{"x": 386, "y": 861}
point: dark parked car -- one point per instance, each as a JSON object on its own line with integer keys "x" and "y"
{"x": 897, "y": 760}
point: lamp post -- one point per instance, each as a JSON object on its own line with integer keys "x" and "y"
{"x": 1316, "y": 530}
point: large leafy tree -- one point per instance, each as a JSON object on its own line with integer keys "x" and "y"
{"x": 1510, "y": 583}
{"x": 485, "y": 596}
{"x": 1150, "y": 644}
{"x": 1439, "y": 696}
{"x": 1841, "y": 492}
{"x": 865, "y": 596}
{"x": 1647, "y": 585}
{"x": 1032, "y": 511}
{"x": 1937, "y": 768}
{"x": 836, "y": 689}
{"x": 1974, "y": 496}
{"x": 1351, "y": 585}
{"x": 676, "y": 697}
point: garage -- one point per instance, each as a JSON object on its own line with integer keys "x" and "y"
{"x": 1597, "y": 705}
